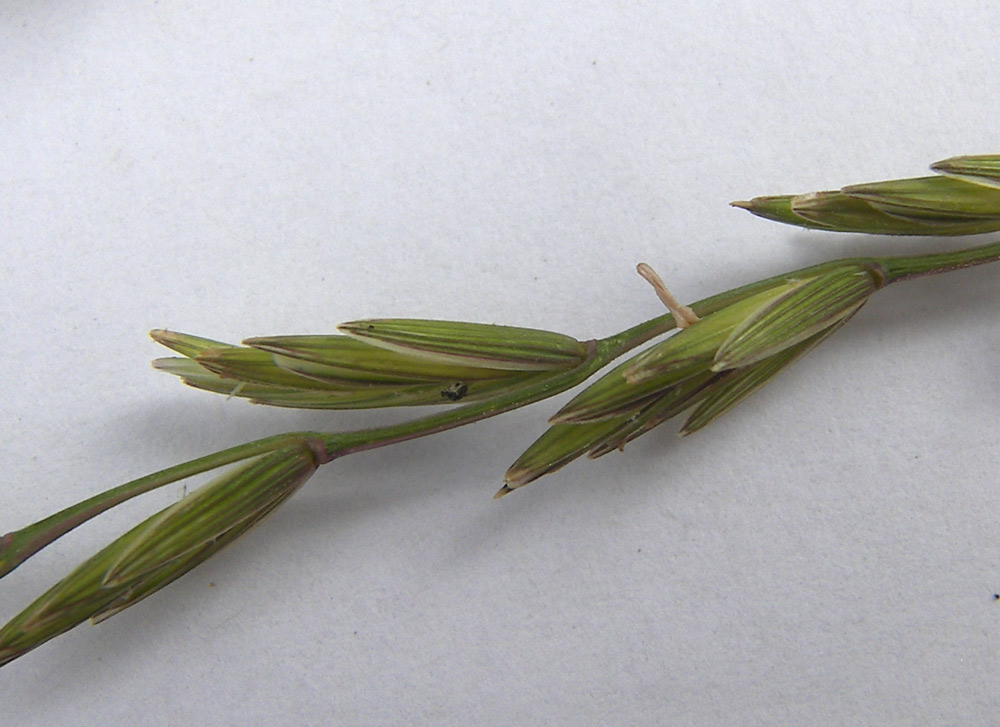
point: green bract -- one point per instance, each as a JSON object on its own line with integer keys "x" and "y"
{"x": 965, "y": 201}
{"x": 808, "y": 308}
{"x": 983, "y": 169}
{"x": 471, "y": 344}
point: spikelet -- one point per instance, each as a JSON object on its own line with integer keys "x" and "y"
{"x": 164, "y": 547}
{"x": 711, "y": 365}
{"x": 965, "y": 200}
{"x": 378, "y": 363}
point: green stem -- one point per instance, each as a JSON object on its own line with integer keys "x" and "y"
{"x": 915, "y": 266}
{"x": 17, "y": 546}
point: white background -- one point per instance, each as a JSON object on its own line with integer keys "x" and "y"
{"x": 825, "y": 554}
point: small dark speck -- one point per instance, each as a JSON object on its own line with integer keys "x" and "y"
{"x": 996, "y": 596}
{"x": 371, "y": 327}
{"x": 455, "y": 392}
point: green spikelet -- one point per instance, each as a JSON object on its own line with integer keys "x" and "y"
{"x": 965, "y": 200}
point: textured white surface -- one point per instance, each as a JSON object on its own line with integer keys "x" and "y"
{"x": 826, "y": 554}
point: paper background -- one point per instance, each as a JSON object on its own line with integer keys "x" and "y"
{"x": 825, "y": 554}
